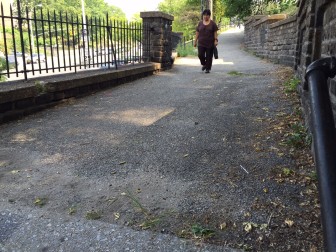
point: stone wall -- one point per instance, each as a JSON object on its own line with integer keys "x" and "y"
{"x": 316, "y": 40}
{"x": 282, "y": 41}
{"x": 297, "y": 41}
{"x": 272, "y": 37}
{"x": 159, "y": 36}
{"x": 328, "y": 43}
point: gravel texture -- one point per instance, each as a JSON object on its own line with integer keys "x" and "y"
{"x": 151, "y": 159}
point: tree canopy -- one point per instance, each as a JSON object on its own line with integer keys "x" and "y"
{"x": 186, "y": 14}
{"x": 243, "y": 8}
{"x": 95, "y": 9}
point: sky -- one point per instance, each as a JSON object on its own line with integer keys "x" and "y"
{"x": 134, "y": 6}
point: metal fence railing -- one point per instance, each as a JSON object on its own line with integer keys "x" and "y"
{"x": 41, "y": 42}
{"x": 324, "y": 138}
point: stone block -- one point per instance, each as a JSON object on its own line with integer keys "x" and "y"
{"x": 6, "y": 107}
{"x": 25, "y": 103}
{"x": 59, "y": 96}
{"x": 44, "y": 98}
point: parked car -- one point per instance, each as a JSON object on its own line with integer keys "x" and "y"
{"x": 11, "y": 59}
{"x": 35, "y": 58}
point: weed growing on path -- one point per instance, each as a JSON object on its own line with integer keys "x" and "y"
{"x": 291, "y": 85}
{"x": 235, "y": 73}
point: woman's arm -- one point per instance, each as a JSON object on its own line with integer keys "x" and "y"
{"x": 216, "y": 38}
{"x": 196, "y": 38}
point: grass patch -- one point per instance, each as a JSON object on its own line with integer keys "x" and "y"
{"x": 298, "y": 137}
{"x": 149, "y": 223}
{"x": 235, "y": 73}
{"x": 136, "y": 203}
{"x": 92, "y": 215}
{"x": 200, "y": 232}
{"x": 40, "y": 87}
{"x": 291, "y": 85}
{"x": 187, "y": 50}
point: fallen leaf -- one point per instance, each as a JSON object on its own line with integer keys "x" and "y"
{"x": 289, "y": 222}
{"x": 72, "y": 210}
{"x": 247, "y": 214}
{"x": 40, "y": 201}
{"x": 248, "y": 227}
{"x": 223, "y": 225}
{"x": 116, "y": 216}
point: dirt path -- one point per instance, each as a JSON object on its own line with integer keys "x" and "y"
{"x": 179, "y": 154}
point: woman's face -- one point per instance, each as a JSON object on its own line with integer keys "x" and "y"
{"x": 206, "y": 17}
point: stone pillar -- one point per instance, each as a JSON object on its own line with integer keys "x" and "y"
{"x": 157, "y": 42}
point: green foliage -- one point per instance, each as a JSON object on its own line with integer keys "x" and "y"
{"x": 291, "y": 85}
{"x": 299, "y": 136}
{"x": 97, "y": 8}
{"x": 2, "y": 68}
{"x": 186, "y": 15}
{"x": 239, "y": 8}
{"x": 244, "y": 8}
{"x": 268, "y": 7}
{"x": 201, "y": 232}
{"x": 187, "y": 50}
{"x": 235, "y": 73}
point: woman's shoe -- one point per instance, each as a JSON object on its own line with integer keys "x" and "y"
{"x": 203, "y": 68}
{"x": 207, "y": 71}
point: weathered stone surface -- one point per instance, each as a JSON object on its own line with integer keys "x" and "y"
{"x": 296, "y": 41}
{"x": 161, "y": 47}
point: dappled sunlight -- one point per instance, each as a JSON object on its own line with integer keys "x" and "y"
{"x": 52, "y": 159}
{"x": 195, "y": 62}
{"x": 187, "y": 61}
{"x": 219, "y": 62}
{"x": 140, "y": 117}
{"x": 22, "y": 138}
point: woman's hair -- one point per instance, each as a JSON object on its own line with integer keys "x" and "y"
{"x": 206, "y": 12}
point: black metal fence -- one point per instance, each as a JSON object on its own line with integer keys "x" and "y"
{"x": 324, "y": 138}
{"x": 42, "y": 42}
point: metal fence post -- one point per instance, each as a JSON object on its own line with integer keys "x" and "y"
{"x": 324, "y": 137}
{"x": 21, "y": 38}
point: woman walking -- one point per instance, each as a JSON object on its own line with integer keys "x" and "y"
{"x": 207, "y": 38}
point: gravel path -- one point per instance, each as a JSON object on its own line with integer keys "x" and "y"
{"x": 160, "y": 163}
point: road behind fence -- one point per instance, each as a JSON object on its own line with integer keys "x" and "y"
{"x": 43, "y": 42}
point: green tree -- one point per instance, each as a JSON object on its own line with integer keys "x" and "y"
{"x": 239, "y": 8}
{"x": 97, "y": 8}
{"x": 186, "y": 14}
{"x": 243, "y": 8}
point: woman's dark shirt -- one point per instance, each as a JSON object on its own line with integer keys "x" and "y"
{"x": 206, "y": 35}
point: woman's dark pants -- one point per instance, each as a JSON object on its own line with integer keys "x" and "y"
{"x": 205, "y": 55}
